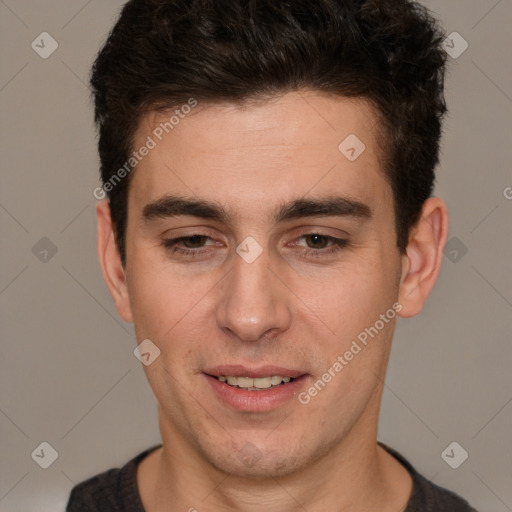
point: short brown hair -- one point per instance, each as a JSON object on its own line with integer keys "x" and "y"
{"x": 160, "y": 53}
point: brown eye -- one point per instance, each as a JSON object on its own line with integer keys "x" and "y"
{"x": 194, "y": 240}
{"x": 317, "y": 241}
{"x": 320, "y": 245}
{"x": 186, "y": 245}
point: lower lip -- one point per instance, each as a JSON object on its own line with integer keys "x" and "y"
{"x": 256, "y": 401}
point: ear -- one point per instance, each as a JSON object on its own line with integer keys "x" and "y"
{"x": 110, "y": 261}
{"x": 424, "y": 254}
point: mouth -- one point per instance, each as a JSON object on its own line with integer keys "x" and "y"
{"x": 255, "y": 389}
{"x": 255, "y": 384}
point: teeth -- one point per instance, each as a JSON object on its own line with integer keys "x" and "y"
{"x": 256, "y": 383}
{"x": 245, "y": 382}
{"x": 263, "y": 382}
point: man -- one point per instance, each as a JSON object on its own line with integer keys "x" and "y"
{"x": 269, "y": 167}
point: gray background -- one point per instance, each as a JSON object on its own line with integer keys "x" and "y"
{"x": 68, "y": 373}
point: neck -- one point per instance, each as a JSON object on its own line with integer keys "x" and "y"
{"x": 183, "y": 479}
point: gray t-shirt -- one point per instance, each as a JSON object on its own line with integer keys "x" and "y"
{"x": 116, "y": 490}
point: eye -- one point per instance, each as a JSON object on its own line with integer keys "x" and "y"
{"x": 196, "y": 241}
{"x": 194, "y": 245}
{"x": 320, "y": 245}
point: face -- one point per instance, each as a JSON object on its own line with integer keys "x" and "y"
{"x": 292, "y": 261}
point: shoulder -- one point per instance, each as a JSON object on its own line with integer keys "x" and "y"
{"x": 427, "y": 496}
{"x": 112, "y": 490}
{"x": 101, "y": 492}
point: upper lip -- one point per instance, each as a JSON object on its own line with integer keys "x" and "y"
{"x": 246, "y": 371}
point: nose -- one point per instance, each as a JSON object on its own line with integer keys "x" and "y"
{"x": 254, "y": 301}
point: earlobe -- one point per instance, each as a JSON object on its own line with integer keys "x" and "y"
{"x": 421, "y": 264}
{"x": 110, "y": 261}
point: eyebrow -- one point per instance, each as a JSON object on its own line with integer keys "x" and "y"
{"x": 338, "y": 206}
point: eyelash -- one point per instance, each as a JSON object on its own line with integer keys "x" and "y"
{"x": 337, "y": 245}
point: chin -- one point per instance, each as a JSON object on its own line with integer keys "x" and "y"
{"x": 262, "y": 459}
{"x": 269, "y": 465}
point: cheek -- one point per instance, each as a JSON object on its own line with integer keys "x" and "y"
{"x": 159, "y": 298}
{"x": 350, "y": 299}
{"x": 171, "y": 308}
{"x": 355, "y": 350}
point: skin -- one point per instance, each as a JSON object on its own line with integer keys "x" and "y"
{"x": 287, "y": 308}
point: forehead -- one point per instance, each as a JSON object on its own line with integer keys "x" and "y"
{"x": 258, "y": 155}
